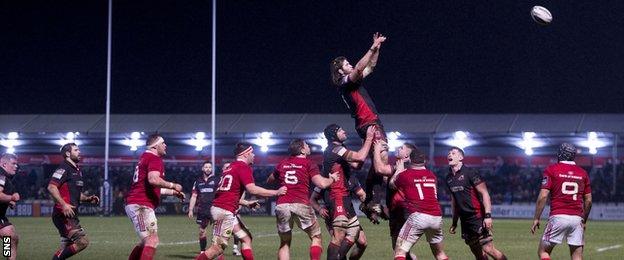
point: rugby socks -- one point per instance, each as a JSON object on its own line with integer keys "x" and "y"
{"x": 202, "y": 244}
{"x": 148, "y": 253}
{"x": 202, "y": 256}
{"x": 344, "y": 247}
{"x": 247, "y": 254}
{"x": 545, "y": 258}
{"x": 399, "y": 257}
{"x": 333, "y": 251}
{"x": 136, "y": 253}
{"x": 315, "y": 252}
{"x": 67, "y": 252}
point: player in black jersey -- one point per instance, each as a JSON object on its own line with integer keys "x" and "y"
{"x": 203, "y": 193}
{"x": 8, "y": 197}
{"x": 65, "y": 187}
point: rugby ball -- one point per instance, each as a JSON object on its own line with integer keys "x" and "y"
{"x": 541, "y": 15}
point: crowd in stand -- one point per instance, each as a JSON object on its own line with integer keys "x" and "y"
{"x": 507, "y": 183}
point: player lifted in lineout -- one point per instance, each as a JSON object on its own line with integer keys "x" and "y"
{"x": 348, "y": 81}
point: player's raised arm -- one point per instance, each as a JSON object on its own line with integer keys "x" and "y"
{"x": 358, "y": 70}
{"x": 362, "y": 154}
{"x": 377, "y": 37}
{"x": 382, "y": 167}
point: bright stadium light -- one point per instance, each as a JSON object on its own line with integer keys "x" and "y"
{"x": 593, "y": 143}
{"x": 10, "y": 142}
{"x": 70, "y": 137}
{"x": 528, "y": 143}
{"x": 460, "y": 139}
{"x": 199, "y": 141}
{"x": 320, "y": 140}
{"x": 264, "y": 141}
{"x": 134, "y": 142}
{"x": 393, "y": 140}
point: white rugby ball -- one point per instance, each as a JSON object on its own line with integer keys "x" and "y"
{"x": 541, "y": 15}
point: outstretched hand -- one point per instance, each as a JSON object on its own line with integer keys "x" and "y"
{"x": 378, "y": 38}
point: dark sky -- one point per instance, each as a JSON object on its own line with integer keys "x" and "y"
{"x": 273, "y": 56}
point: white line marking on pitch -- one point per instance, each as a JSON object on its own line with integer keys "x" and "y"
{"x": 195, "y": 241}
{"x": 602, "y": 249}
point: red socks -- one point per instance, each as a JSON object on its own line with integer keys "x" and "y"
{"x": 315, "y": 252}
{"x": 136, "y": 253}
{"x": 201, "y": 256}
{"x": 247, "y": 254}
{"x": 148, "y": 253}
{"x": 399, "y": 258}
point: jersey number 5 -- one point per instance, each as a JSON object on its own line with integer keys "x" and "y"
{"x": 566, "y": 190}
{"x": 426, "y": 185}
{"x": 290, "y": 177}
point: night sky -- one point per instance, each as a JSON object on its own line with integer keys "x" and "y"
{"x": 273, "y": 56}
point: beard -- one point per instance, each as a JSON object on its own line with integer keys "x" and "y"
{"x": 75, "y": 159}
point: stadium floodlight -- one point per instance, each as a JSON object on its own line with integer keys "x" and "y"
{"x": 460, "y": 139}
{"x": 134, "y": 142}
{"x": 393, "y": 140}
{"x": 70, "y": 137}
{"x": 10, "y": 142}
{"x": 528, "y": 143}
{"x": 320, "y": 140}
{"x": 264, "y": 141}
{"x": 593, "y": 143}
{"x": 199, "y": 141}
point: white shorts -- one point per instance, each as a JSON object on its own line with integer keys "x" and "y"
{"x": 568, "y": 226}
{"x": 287, "y": 213}
{"x": 223, "y": 226}
{"x": 416, "y": 225}
{"x": 143, "y": 218}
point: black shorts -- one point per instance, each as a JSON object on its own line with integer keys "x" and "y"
{"x": 396, "y": 221}
{"x": 474, "y": 233}
{"x": 65, "y": 224}
{"x": 203, "y": 219}
{"x": 4, "y": 222}
{"x": 380, "y": 134}
{"x": 341, "y": 207}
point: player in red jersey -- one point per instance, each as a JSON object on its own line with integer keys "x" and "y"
{"x": 65, "y": 187}
{"x": 396, "y": 214}
{"x": 147, "y": 186}
{"x": 234, "y": 181}
{"x": 8, "y": 198}
{"x": 348, "y": 80}
{"x": 295, "y": 173}
{"x": 570, "y": 203}
{"x": 418, "y": 186}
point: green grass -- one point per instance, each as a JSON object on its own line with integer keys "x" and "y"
{"x": 114, "y": 237}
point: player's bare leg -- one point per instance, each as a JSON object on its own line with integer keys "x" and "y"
{"x": 545, "y": 249}
{"x": 438, "y": 251}
{"x": 283, "y": 253}
{"x": 360, "y": 246}
{"x": 316, "y": 244}
{"x": 576, "y": 252}
{"x": 202, "y": 239}
{"x": 490, "y": 250}
{"x": 478, "y": 252}
{"x": 333, "y": 249}
{"x": 245, "y": 238}
{"x": 79, "y": 242}
{"x": 10, "y": 231}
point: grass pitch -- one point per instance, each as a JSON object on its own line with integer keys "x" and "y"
{"x": 114, "y": 238}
